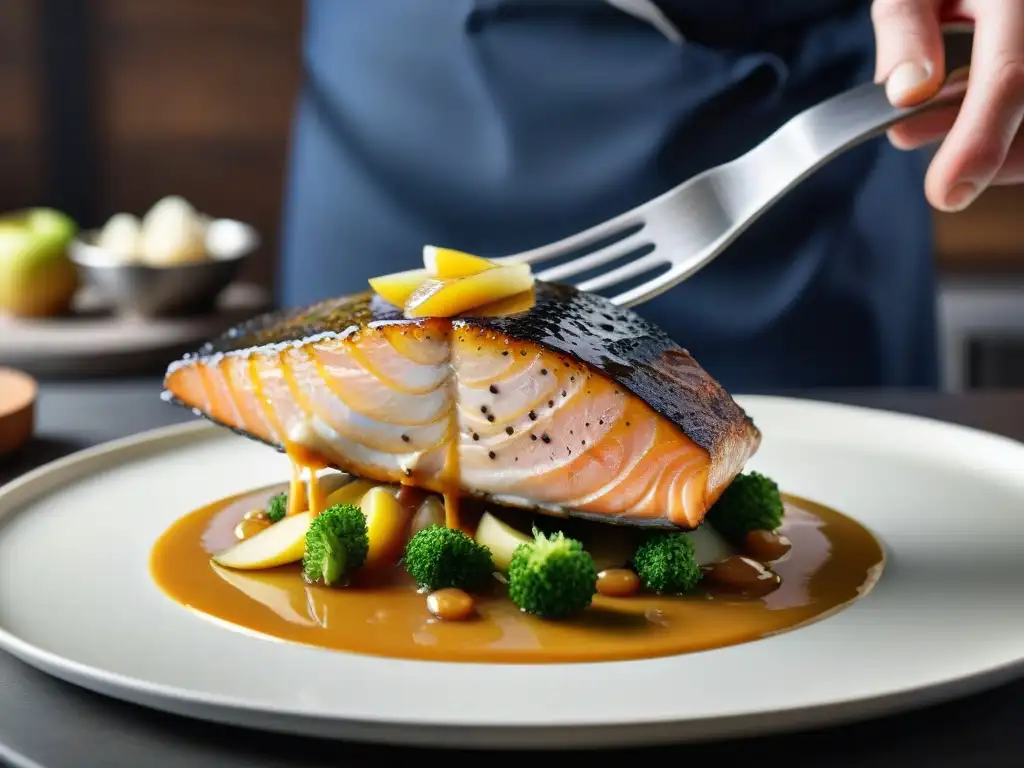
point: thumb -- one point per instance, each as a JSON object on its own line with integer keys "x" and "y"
{"x": 910, "y": 58}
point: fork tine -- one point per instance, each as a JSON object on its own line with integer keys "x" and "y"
{"x": 626, "y": 271}
{"x": 651, "y": 288}
{"x": 582, "y": 239}
{"x": 595, "y": 259}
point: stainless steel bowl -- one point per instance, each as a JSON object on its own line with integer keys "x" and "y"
{"x": 160, "y": 291}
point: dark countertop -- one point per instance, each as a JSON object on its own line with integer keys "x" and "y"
{"x": 44, "y": 722}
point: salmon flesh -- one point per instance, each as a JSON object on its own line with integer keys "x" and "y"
{"x": 573, "y": 407}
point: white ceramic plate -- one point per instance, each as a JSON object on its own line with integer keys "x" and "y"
{"x": 945, "y": 619}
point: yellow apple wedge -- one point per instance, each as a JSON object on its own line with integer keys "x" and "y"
{"x": 397, "y": 287}
{"x": 510, "y": 305}
{"x": 499, "y": 537}
{"x": 387, "y": 521}
{"x": 446, "y": 298}
{"x": 431, "y": 512}
{"x": 352, "y": 493}
{"x": 708, "y": 545}
{"x": 329, "y": 482}
{"x": 448, "y": 264}
{"x": 281, "y": 543}
{"x": 322, "y": 487}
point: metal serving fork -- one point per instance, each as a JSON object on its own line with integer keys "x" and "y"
{"x": 685, "y": 229}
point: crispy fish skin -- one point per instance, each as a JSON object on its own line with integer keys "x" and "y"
{"x": 575, "y": 406}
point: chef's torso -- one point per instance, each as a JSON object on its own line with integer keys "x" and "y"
{"x": 495, "y": 126}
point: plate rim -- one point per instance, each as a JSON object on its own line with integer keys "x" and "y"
{"x": 418, "y": 730}
{"x": 523, "y": 738}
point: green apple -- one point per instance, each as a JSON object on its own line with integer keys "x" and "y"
{"x": 36, "y": 277}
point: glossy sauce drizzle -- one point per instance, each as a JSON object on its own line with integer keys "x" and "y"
{"x": 305, "y": 464}
{"x": 452, "y": 482}
{"x": 830, "y": 562}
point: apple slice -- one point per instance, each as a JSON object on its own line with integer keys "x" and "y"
{"x": 510, "y": 305}
{"x": 281, "y": 543}
{"x": 397, "y": 287}
{"x": 445, "y": 298}
{"x": 331, "y": 481}
{"x": 431, "y": 512}
{"x": 708, "y": 545}
{"x": 351, "y": 493}
{"x": 387, "y": 521}
{"x": 501, "y": 538}
{"x": 448, "y": 264}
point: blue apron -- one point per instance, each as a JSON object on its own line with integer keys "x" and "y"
{"x": 496, "y": 126}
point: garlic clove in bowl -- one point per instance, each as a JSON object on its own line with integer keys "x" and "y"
{"x": 120, "y": 237}
{"x": 172, "y": 234}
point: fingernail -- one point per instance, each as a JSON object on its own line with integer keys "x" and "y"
{"x": 898, "y": 143}
{"x": 962, "y": 195}
{"x": 905, "y": 80}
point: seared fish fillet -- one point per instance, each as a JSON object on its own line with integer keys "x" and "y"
{"x": 574, "y": 406}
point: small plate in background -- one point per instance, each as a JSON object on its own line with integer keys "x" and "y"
{"x": 96, "y": 342}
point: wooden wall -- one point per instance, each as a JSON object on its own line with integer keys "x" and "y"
{"x": 21, "y": 123}
{"x": 195, "y": 97}
{"x": 189, "y": 97}
{"x": 987, "y": 237}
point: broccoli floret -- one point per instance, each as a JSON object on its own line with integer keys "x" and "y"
{"x": 750, "y": 503}
{"x": 277, "y": 507}
{"x": 552, "y": 577}
{"x": 666, "y": 563}
{"x": 439, "y": 557}
{"x": 336, "y": 544}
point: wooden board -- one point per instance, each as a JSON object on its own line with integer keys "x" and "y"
{"x": 17, "y": 409}
{"x": 97, "y": 344}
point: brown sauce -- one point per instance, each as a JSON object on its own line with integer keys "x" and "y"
{"x": 831, "y": 562}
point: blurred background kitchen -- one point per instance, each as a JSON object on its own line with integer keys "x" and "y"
{"x": 110, "y": 106}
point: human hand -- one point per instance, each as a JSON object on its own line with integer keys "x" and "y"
{"x": 982, "y": 141}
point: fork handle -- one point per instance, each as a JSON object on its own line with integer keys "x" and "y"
{"x": 865, "y": 111}
{"x": 815, "y": 136}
